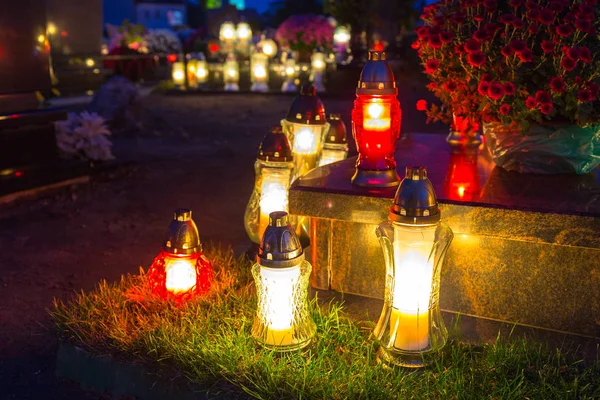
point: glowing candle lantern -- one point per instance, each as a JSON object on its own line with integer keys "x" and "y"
{"x": 281, "y": 274}
{"x": 335, "y": 146}
{"x": 244, "y": 36}
{"x": 376, "y": 124}
{"x": 414, "y": 243}
{"x": 341, "y": 42}
{"x": 192, "y": 67}
{"x": 181, "y": 271}
{"x": 227, "y": 37}
{"x": 273, "y": 166}
{"x": 318, "y": 64}
{"x": 268, "y": 47}
{"x": 178, "y": 74}
{"x": 231, "y": 74}
{"x": 290, "y": 72}
{"x": 305, "y": 126}
{"x": 201, "y": 69}
{"x": 259, "y": 67}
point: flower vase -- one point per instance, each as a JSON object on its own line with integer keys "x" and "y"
{"x": 464, "y": 133}
{"x": 544, "y": 149}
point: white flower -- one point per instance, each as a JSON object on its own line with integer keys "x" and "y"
{"x": 162, "y": 41}
{"x": 84, "y": 135}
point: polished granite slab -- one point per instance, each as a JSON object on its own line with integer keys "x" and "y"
{"x": 468, "y": 178}
{"x": 526, "y": 247}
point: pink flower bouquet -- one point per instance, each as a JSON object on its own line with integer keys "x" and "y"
{"x": 305, "y": 33}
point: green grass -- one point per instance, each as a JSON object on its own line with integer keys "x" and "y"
{"x": 208, "y": 340}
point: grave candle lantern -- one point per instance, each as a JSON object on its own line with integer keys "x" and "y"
{"x": 335, "y": 146}
{"x": 414, "y": 244}
{"x": 181, "y": 270}
{"x": 201, "y": 69}
{"x": 290, "y": 72}
{"x": 227, "y": 36}
{"x": 268, "y": 47}
{"x": 305, "y": 126}
{"x": 231, "y": 74}
{"x": 178, "y": 73}
{"x": 244, "y": 35}
{"x": 281, "y": 274}
{"x": 274, "y": 165}
{"x": 259, "y": 67}
{"x": 317, "y": 62}
{"x": 376, "y": 120}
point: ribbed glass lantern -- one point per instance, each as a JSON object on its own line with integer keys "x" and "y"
{"x": 305, "y": 126}
{"x": 414, "y": 243}
{"x": 335, "y": 147}
{"x": 274, "y": 165}
{"x": 281, "y": 274}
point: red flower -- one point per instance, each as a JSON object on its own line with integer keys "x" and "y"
{"x": 431, "y": 66}
{"x": 495, "y": 91}
{"x": 573, "y": 52}
{"x": 531, "y": 103}
{"x": 583, "y": 25}
{"x": 526, "y": 55}
{"x": 487, "y": 78}
{"x": 546, "y": 108}
{"x": 432, "y": 86}
{"x": 585, "y": 55}
{"x": 480, "y": 35}
{"x": 421, "y": 105}
{"x": 509, "y": 88}
{"x": 446, "y": 37}
{"x": 478, "y": 17}
{"x": 534, "y": 28}
{"x": 459, "y": 49}
{"x": 556, "y": 6}
{"x": 515, "y": 3}
{"x": 578, "y": 80}
{"x": 564, "y": 30}
{"x": 472, "y": 46}
{"x": 547, "y": 46}
{"x": 416, "y": 45}
{"x": 546, "y": 16}
{"x": 518, "y": 45}
{"x": 504, "y": 109}
{"x": 507, "y": 51}
{"x": 557, "y": 85}
{"x": 594, "y": 87}
{"x": 533, "y": 15}
{"x": 476, "y": 59}
{"x": 450, "y": 86}
{"x": 483, "y": 88}
{"x": 568, "y": 63}
{"x": 543, "y": 97}
{"x": 492, "y": 27}
{"x": 532, "y": 5}
{"x": 435, "y": 42}
{"x": 518, "y": 23}
{"x": 585, "y": 95}
{"x": 507, "y": 19}
{"x": 422, "y": 32}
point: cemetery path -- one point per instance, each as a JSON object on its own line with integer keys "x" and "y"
{"x": 193, "y": 151}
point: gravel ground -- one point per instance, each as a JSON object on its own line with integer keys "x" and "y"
{"x": 194, "y": 151}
